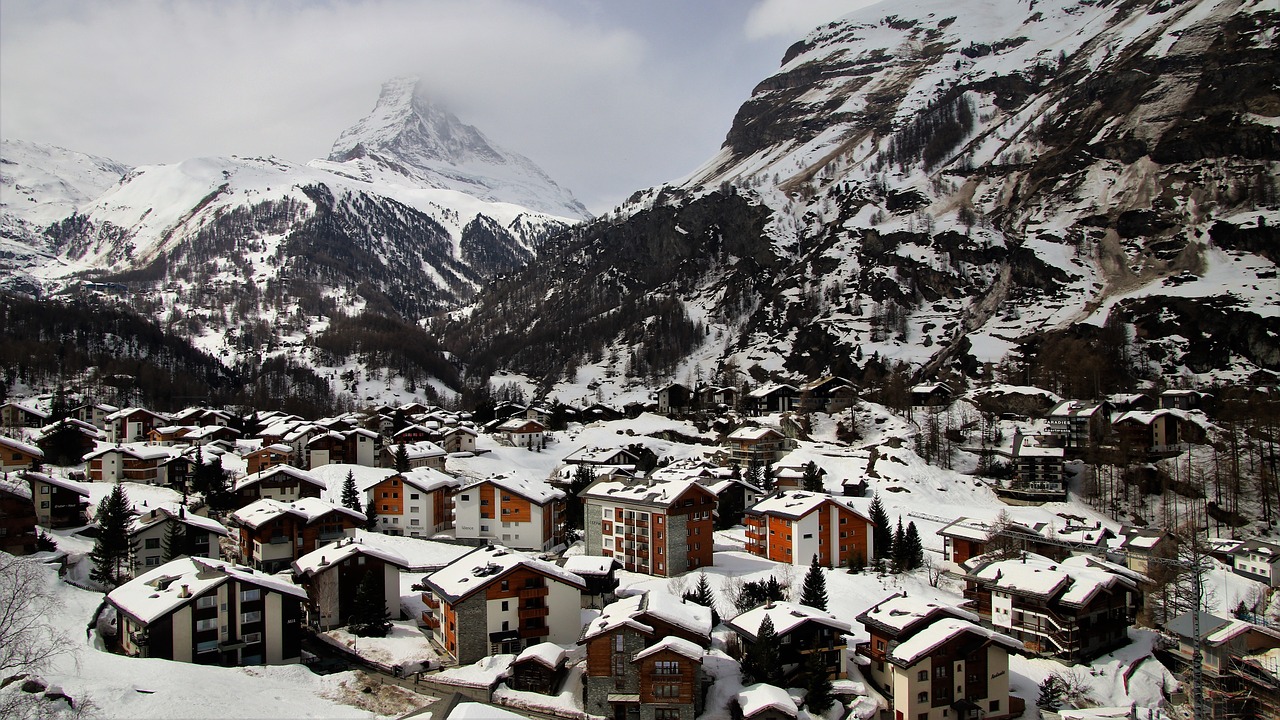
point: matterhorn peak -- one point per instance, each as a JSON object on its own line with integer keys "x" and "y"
{"x": 410, "y": 138}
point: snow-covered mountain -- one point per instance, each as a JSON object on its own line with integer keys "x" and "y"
{"x": 409, "y": 140}
{"x": 972, "y": 188}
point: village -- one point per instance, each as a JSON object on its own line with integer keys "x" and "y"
{"x": 787, "y": 552}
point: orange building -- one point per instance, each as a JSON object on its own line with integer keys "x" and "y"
{"x": 793, "y": 526}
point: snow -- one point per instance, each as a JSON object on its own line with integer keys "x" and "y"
{"x": 486, "y": 565}
{"x": 404, "y": 645}
{"x": 680, "y": 646}
{"x": 420, "y": 555}
{"x": 760, "y": 696}
{"x": 909, "y": 651}
{"x": 480, "y": 711}
{"x": 785, "y": 617}
{"x": 484, "y": 673}
{"x": 334, "y": 553}
{"x": 175, "y": 583}
{"x": 546, "y": 653}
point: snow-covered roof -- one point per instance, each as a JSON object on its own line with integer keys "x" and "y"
{"x": 278, "y": 448}
{"x": 544, "y": 653}
{"x": 520, "y": 424}
{"x": 1146, "y": 417}
{"x": 1074, "y": 409}
{"x": 659, "y": 494}
{"x": 126, "y": 412}
{"x": 786, "y": 616}
{"x": 429, "y": 479}
{"x": 757, "y": 698}
{"x": 27, "y": 408}
{"x": 332, "y": 554}
{"x": 418, "y": 450}
{"x": 898, "y": 613}
{"x": 799, "y": 503}
{"x": 1078, "y": 578}
{"x": 668, "y": 608}
{"x": 164, "y": 512}
{"x": 422, "y": 555}
{"x": 21, "y": 447}
{"x": 15, "y": 486}
{"x": 750, "y": 432}
{"x": 590, "y": 565}
{"x": 537, "y": 491}
{"x": 137, "y": 452}
{"x": 483, "y": 566}
{"x": 1034, "y": 446}
{"x": 287, "y": 470}
{"x": 163, "y": 589}
{"x": 481, "y": 711}
{"x": 769, "y": 389}
{"x": 259, "y": 512}
{"x": 63, "y": 483}
{"x": 919, "y": 645}
{"x": 680, "y": 646}
{"x": 596, "y": 455}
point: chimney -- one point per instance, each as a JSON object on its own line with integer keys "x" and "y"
{"x": 185, "y": 592}
{"x": 182, "y": 511}
{"x": 153, "y": 512}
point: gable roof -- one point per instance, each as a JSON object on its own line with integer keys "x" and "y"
{"x": 900, "y": 614}
{"x": 631, "y": 611}
{"x": 486, "y": 565}
{"x": 32, "y": 450}
{"x": 164, "y": 513}
{"x": 660, "y": 494}
{"x": 65, "y": 484}
{"x": 289, "y": 471}
{"x": 799, "y": 503}
{"x": 785, "y": 616}
{"x": 161, "y": 590}
{"x": 332, "y": 555}
{"x": 536, "y": 491}
{"x": 677, "y": 645}
{"x": 260, "y": 512}
{"x": 547, "y": 654}
{"x": 910, "y": 651}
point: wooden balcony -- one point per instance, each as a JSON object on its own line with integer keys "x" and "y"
{"x": 430, "y": 601}
{"x": 536, "y": 592}
{"x": 430, "y": 621}
{"x": 543, "y": 631}
{"x": 534, "y": 612}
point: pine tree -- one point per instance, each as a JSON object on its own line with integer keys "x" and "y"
{"x": 111, "y": 549}
{"x": 899, "y": 554}
{"x": 914, "y": 547}
{"x": 755, "y": 475}
{"x": 701, "y": 595}
{"x": 175, "y": 540}
{"x": 882, "y": 535}
{"x": 369, "y": 616}
{"x": 761, "y": 663}
{"x": 812, "y": 481}
{"x": 351, "y": 496}
{"x": 371, "y": 517}
{"x": 574, "y": 515}
{"x": 814, "y": 593}
{"x": 1051, "y": 692}
{"x": 402, "y": 459}
{"x": 817, "y": 684}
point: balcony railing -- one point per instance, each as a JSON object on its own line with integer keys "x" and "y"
{"x": 536, "y": 592}
{"x": 543, "y": 631}
{"x": 534, "y": 612}
{"x": 430, "y": 621}
{"x": 430, "y": 601}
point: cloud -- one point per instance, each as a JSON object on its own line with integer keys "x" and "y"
{"x": 795, "y": 18}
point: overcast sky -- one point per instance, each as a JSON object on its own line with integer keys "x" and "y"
{"x": 608, "y": 96}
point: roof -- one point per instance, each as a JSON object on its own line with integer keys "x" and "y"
{"x": 750, "y": 432}
{"x": 1033, "y": 446}
{"x": 22, "y": 447}
{"x": 798, "y": 503}
{"x": 899, "y": 613}
{"x": 1074, "y": 581}
{"x": 63, "y": 483}
{"x": 428, "y": 479}
{"x": 591, "y": 565}
{"x": 314, "y": 562}
{"x": 260, "y": 512}
{"x": 284, "y": 469}
{"x": 15, "y": 486}
{"x": 163, "y": 513}
{"x": 1074, "y": 409}
{"x": 680, "y": 646}
{"x": 670, "y": 609}
{"x": 520, "y": 424}
{"x": 545, "y": 653}
{"x": 661, "y": 494}
{"x": 1184, "y": 625}
{"x": 486, "y": 565}
{"x": 786, "y": 616}
{"x": 138, "y": 452}
{"x": 759, "y": 697}
{"x": 769, "y": 389}
{"x": 159, "y": 591}
{"x": 909, "y": 651}
{"x": 537, "y": 491}
{"x": 126, "y": 412}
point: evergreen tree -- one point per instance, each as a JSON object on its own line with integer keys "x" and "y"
{"x": 369, "y": 616}
{"x": 882, "y": 535}
{"x": 761, "y": 663}
{"x": 812, "y": 480}
{"x": 351, "y": 496}
{"x": 111, "y": 549}
{"x": 899, "y": 554}
{"x": 402, "y": 459}
{"x": 914, "y": 548}
{"x": 755, "y": 593}
{"x": 175, "y": 540}
{"x": 817, "y": 684}
{"x": 755, "y": 475}
{"x": 814, "y": 593}
{"x": 1051, "y": 692}
{"x": 574, "y": 514}
{"x": 371, "y": 517}
{"x": 731, "y": 509}
{"x": 701, "y": 595}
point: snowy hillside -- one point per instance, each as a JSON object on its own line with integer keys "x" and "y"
{"x": 409, "y": 140}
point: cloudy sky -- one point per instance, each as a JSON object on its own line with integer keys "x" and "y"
{"x": 608, "y": 96}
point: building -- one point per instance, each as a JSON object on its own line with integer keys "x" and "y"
{"x": 210, "y": 612}
{"x": 523, "y": 432}
{"x": 421, "y": 454}
{"x": 1143, "y": 546}
{"x": 771, "y": 398}
{"x": 829, "y": 394}
{"x": 281, "y": 482}
{"x": 1257, "y": 560}
{"x": 418, "y": 503}
{"x": 267, "y": 457}
{"x": 644, "y": 658}
{"x": 756, "y": 445}
{"x": 132, "y": 424}
{"x": 1073, "y": 610}
{"x": 1078, "y": 425}
{"x": 21, "y": 415}
{"x": 199, "y": 537}
{"x": 599, "y": 574}
{"x": 1239, "y": 662}
{"x": 142, "y": 464}
{"x": 1038, "y": 468}
{"x": 332, "y": 573}
{"x": 496, "y": 600}
{"x": 933, "y": 660}
{"x": 664, "y": 528}
{"x": 17, "y": 455}
{"x": 59, "y": 503}
{"x": 801, "y": 631}
{"x": 1158, "y": 433}
{"x": 519, "y": 513}
{"x": 793, "y": 526}
{"x": 931, "y": 395}
{"x": 272, "y": 534}
{"x": 17, "y": 517}
{"x": 94, "y": 414}
{"x": 675, "y": 398}
{"x": 539, "y": 668}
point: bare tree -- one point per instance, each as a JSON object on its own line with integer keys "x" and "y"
{"x": 29, "y": 641}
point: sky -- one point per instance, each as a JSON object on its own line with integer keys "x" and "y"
{"x": 607, "y": 96}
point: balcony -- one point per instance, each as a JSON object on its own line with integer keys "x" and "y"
{"x": 543, "y": 631}
{"x": 430, "y": 601}
{"x": 536, "y": 592}
{"x": 534, "y": 612}
{"x": 430, "y": 621}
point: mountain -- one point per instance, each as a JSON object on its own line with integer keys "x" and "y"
{"x": 410, "y": 140}
{"x": 1079, "y": 193}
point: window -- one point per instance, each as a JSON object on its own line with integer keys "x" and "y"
{"x": 666, "y": 667}
{"x": 922, "y": 675}
{"x": 666, "y": 690}
{"x": 922, "y": 716}
{"x": 44, "y": 504}
{"x": 152, "y": 561}
{"x": 506, "y": 605}
{"x": 923, "y": 697}
{"x": 808, "y": 536}
{"x": 880, "y": 645}
{"x": 414, "y": 508}
{"x": 209, "y": 624}
{"x": 506, "y": 585}
{"x": 44, "y": 489}
{"x": 251, "y": 638}
{"x": 465, "y": 497}
{"x": 484, "y": 503}
{"x": 207, "y": 646}
{"x": 413, "y": 496}
{"x": 617, "y": 642}
{"x": 995, "y": 705}
{"x": 250, "y": 595}
{"x": 414, "y": 521}
{"x": 251, "y": 617}
{"x": 207, "y": 602}
{"x": 666, "y": 714}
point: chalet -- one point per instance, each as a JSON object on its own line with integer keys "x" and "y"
{"x": 539, "y": 668}
{"x": 756, "y": 445}
{"x": 325, "y": 448}
{"x": 86, "y": 437}
{"x": 1257, "y": 560}
{"x": 733, "y": 496}
{"x": 267, "y": 457}
{"x": 772, "y": 398}
{"x": 411, "y": 434}
{"x": 281, "y": 482}
{"x": 931, "y": 395}
{"x": 675, "y": 398}
{"x": 17, "y": 455}
{"x": 519, "y": 513}
{"x": 1078, "y": 426}
{"x": 458, "y": 439}
{"x": 1183, "y": 400}
{"x": 828, "y": 394}
{"x": 417, "y": 503}
{"x": 21, "y": 415}
{"x": 522, "y": 432}
{"x": 132, "y": 424}
{"x": 142, "y": 464}
{"x": 715, "y": 397}
{"x": 169, "y": 435}
{"x": 644, "y": 658}
{"x": 1073, "y": 610}
{"x": 599, "y": 575}
{"x": 762, "y": 701}
{"x": 1158, "y": 433}
{"x": 94, "y": 413}
{"x": 210, "y": 612}
{"x": 197, "y": 536}
{"x": 17, "y": 517}
{"x": 966, "y": 537}
{"x": 600, "y": 411}
{"x": 613, "y": 457}
{"x": 932, "y": 660}
{"x": 332, "y": 573}
{"x": 424, "y": 454}
{"x": 1124, "y": 403}
{"x": 788, "y": 474}
{"x": 1238, "y": 663}
{"x": 1038, "y": 469}
{"x": 801, "y": 631}
{"x": 272, "y": 534}
{"x": 495, "y": 600}
{"x": 59, "y": 503}
{"x": 661, "y": 528}
{"x": 1142, "y": 547}
{"x": 795, "y": 526}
